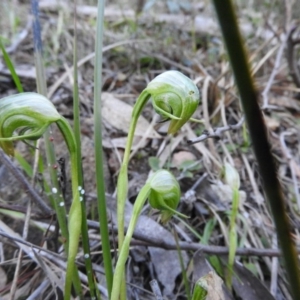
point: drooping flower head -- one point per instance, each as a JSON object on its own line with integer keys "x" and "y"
{"x": 29, "y": 113}
{"x": 164, "y": 193}
{"x": 175, "y": 97}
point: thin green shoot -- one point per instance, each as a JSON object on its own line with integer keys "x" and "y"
{"x": 249, "y": 97}
{"x": 123, "y": 255}
{"x": 76, "y": 114}
{"x": 100, "y": 182}
{"x": 183, "y": 271}
{"x": 232, "y": 236}
{"x": 11, "y": 68}
{"x": 232, "y": 179}
{"x": 190, "y": 228}
{"x": 24, "y": 164}
{"x": 208, "y": 230}
{"x": 200, "y": 289}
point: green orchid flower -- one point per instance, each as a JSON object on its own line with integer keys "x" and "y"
{"x": 163, "y": 192}
{"x": 29, "y": 113}
{"x": 27, "y": 116}
{"x": 175, "y": 97}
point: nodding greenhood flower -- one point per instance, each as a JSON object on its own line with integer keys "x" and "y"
{"x": 164, "y": 194}
{"x": 30, "y": 113}
{"x": 174, "y": 96}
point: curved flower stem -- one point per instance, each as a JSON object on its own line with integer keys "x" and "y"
{"x": 50, "y": 153}
{"x": 49, "y": 147}
{"x": 258, "y": 133}
{"x": 122, "y": 186}
{"x": 36, "y": 113}
{"x": 75, "y": 214}
{"x": 174, "y": 96}
{"x": 123, "y": 255}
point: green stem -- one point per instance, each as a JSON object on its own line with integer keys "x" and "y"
{"x": 258, "y": 133}
{"x": 123, "y": 255}
{"x": 232, "y": 235}
{"x": 75, "y": 214}
{"x": 122, "y": 186}
{"x": 100, "y": 180}
{"x": 183, "y": 270}
{"x": 11, "y": 68}
{"x": 50, "y": 153}
{"x": 84, "y": 227}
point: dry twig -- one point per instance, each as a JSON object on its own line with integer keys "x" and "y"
{"x": 144, "y": 241}
{"x": 291, "y": 56}
{"x": 25, "y": 184}
{"x": 156, "y": 290}
{"x": 217, "y": 133}
{"x": 275, "y": 70}
{"x": 292, "y": 164}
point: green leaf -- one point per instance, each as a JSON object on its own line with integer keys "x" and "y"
{"x": 154, "y": 163}
{"x": 11, "y": 68}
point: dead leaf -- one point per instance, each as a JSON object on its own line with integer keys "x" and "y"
{"x": 224, "y": 193}
{"x": 166, "y": 266}
{"x": 118, "y": 114}
{"x": 182, "y": 156}
{"x": 214, "y": 286}
{"x": 285, "y": 102}
{"x": 296, "y": 167}
{"x": 271, "y": 123}
{"x": 163, "y": 156}
{"x": 23, "y": 291}
{"x": 245, "y": 284}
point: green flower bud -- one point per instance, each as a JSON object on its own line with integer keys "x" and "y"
{"x": 208, "y": 286}
{"x": 30, "y": 113}
{"x": 200, "y": 290}
{"x": 174, "y": 96}
{"x": 231, "y": 176}
{"x": 164, "y": 193}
